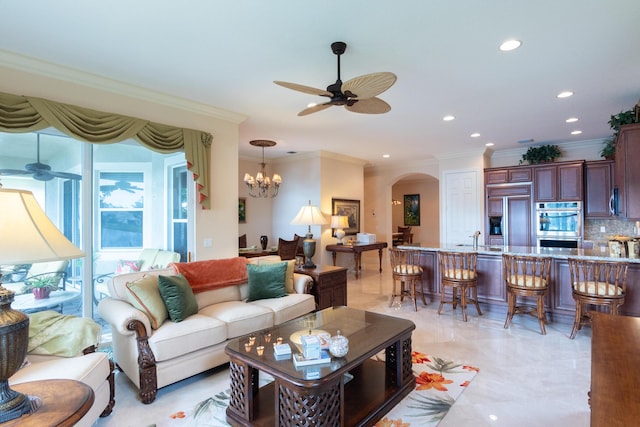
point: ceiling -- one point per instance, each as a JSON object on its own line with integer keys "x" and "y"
{"x": 445, "y": 54}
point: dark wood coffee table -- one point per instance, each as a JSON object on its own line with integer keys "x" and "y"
{"x": 323, "y": 394}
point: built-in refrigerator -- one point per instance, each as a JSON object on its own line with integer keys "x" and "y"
{"x": 509, "y": 215}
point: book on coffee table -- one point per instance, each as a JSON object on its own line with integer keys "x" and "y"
{"x": 299, "y": 360}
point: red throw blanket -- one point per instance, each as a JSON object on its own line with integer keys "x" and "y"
{"x": 214, "y": 273}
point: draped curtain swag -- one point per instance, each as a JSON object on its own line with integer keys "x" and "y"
{"x": 20, "y": 114}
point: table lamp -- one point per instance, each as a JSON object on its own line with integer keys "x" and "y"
{"x": 26, "y": 236}
{"x": 309, "y": 215}
{"x": 339, "y": 223}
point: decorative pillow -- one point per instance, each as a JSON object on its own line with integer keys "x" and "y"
{"x": 144, "y": 295}
{"x": 125, "y": 266}
{"x": 288, "y": 279}
{"x": 177, "y": 296}
{"x": 266, "y": 281}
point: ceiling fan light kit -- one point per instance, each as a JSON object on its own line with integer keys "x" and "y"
{"x": 358, "y": 95}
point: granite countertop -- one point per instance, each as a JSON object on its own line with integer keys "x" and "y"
{"x": 598, "y": 252}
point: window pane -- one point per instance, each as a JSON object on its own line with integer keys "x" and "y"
{"x": 121, "y": 190}
{"x": 121, "y": 229}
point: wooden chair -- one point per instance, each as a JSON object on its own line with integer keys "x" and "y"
{"x": 300, "y": 250}
{"x": 287, "y": 248}
{"x": 405, "y": 267}
{"x": 526, "y": 276}
{"x": 599, "y": 283}
{"x": 242, "y": 241}
{"x": 458, "y": 271}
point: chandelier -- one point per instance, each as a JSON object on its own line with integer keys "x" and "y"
{"x": 262, "y": 185}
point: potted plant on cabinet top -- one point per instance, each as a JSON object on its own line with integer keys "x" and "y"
{"x": 41, "y": 286}
{"x": 608, "y": 149}
{"x": 541, "y": 154}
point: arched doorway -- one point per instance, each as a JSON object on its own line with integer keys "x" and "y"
{"x": 415, "y": 201}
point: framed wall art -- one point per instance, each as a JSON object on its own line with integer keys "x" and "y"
{"x": 350, "y": 209}
{"x": 242, "y": 210}
{"x": 411, "y": 209}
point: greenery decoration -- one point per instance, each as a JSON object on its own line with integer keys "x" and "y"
{"x": 624, "y": 118}
{"x": 541, "y": 154}
{"x": 608, "y": 149}
{"x": 44, "y": 281}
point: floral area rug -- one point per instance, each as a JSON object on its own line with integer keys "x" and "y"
{"x": 439, "y": 382}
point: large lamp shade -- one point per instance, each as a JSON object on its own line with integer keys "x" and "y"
{"x": 26, "y": 236}
{"x": 309, "y": 215}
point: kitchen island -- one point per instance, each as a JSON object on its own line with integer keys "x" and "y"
{"x": 491, "y": 288}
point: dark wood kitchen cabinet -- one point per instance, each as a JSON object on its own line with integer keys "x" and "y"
{"x": 627, "y": 172}
{"x": 561, "y": 182}
{"x": 598, "y": 189}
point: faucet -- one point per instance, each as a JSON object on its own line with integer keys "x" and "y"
{"x": 475, "y": 239}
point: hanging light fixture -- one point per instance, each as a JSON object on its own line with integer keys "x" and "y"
{"x": 262, "y": 185}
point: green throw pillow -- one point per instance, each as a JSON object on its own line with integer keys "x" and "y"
{"x": 144, "y": 295}
{"x": 177, "y": 296}
{"x": 266, "y": 281}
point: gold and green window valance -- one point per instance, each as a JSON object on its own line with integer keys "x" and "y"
{"x": 29, "y": 114}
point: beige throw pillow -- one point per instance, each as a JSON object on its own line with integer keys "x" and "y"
{"x": 144, "y": 295}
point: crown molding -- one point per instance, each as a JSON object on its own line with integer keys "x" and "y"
{"x": 48, "y": 69}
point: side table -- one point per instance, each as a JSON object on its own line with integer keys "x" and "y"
{"x": 329, "y": 285}
{"x": 64, "y": 403}
{"x": 356, "y": 249}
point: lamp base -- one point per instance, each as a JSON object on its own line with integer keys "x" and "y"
{"x": 309, "y": 249}
{"x": 12, "y": 404}
{"x": 340, "y": 235}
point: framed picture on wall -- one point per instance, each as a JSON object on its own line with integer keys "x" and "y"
{"x": 411, "y": 209}
{"x": 242, "y": 210}
{"x": 350, "y": 209}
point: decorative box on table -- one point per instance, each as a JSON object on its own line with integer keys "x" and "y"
{"x": 366, "y": 238}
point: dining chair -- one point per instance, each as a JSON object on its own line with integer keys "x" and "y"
{"x": 526, "y": 277}
{"x": 596, "y": 283}
{"x": 458, "y": 272}
{"x": 405, "y": 267}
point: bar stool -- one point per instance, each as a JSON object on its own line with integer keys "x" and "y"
{"x": 458, "y": 271}
{"x": 595, "y": 282}
{"x": 405, "y": 266}
{"x": 526, "y": 276}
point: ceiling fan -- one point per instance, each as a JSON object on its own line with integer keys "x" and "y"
{"x": 120, "y": 185}
{"x": 40, "y": 171}
{"x": 358, "y": 95}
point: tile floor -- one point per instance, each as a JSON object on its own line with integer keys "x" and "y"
{"x": 525, "y": 379}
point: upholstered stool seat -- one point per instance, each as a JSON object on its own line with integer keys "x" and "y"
{"x": 405, "y": 267}
{"x": 526, "y": 276}
{"x": 599, "y": 283}
{"x": 458, "y": 272}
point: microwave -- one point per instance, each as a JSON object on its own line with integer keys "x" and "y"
{"x": 559, "y": 219}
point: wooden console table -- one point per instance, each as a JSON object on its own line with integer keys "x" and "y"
{"x": 329, "y": 285}
{"x": 615, "y": 346}
{"x": 357, "y": 249}
{"x": 64, "y": 403}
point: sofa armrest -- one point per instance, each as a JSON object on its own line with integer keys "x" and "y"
{"x": 302, "y": 283}
{"x": 119, "y": 314}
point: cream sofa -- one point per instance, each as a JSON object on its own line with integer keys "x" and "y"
{"x": 152, "y": 359}
{"x": 93, "y": 368}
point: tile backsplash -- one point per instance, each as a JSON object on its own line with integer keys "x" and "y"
{"x": 612, "y": 227}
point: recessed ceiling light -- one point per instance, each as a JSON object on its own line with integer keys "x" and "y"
{"x": 386, "y": 156}
{"x": 576, "y": 132}
{"x": 571, "y": 120}
{"x": 489, "y": 144}
{"x": 510, "y": 45}
{"x": 475, "y": 135}
{"x": 565, "y": 94}
{"x": 448, "y": 118}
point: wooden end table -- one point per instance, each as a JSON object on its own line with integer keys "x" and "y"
{"x": 356, "y": 249}
{"x": 64, "y": 403}
{"x": 329, "y": 285}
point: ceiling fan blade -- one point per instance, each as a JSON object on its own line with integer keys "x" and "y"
{"x": 369, "y": 85}
{"x": 305, "y": 89}
{"x": 14, "y": 172}
{"x": 314, "y": 109}
{"x": 65, "y": 175}
{"x": 369, "y": 106}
